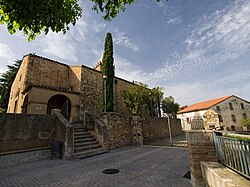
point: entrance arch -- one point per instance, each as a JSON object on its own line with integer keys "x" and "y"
{"x": 60, "y": 102}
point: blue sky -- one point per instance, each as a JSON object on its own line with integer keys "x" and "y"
{"x": 196, "y": 49}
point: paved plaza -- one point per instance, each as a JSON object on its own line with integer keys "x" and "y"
{"x": 145, "y": 166}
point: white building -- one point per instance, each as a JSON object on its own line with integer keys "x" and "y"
{"x": 220, "y": 113}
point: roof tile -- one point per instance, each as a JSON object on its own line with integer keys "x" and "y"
{"x": 203, "y": 105}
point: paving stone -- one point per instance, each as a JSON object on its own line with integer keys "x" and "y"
{"x": 145, "y": 166}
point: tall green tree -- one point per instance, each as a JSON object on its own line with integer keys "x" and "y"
{"x": 108, "y": 73}
{"x": 156, "y": 99}
{"x": 135, "y": 97}
{"x": 33, "y": 17}
{"x": 169, "y": 106}
{"x": 6, "y": 81}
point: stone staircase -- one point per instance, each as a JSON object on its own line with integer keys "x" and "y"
{"x": 85, "y": 145}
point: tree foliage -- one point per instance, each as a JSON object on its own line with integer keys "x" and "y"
{"x": 156, "y": 96}
{"x": 245, "y": 122}
{"x": 135, "y": 97}
{"x": 6, "y": 81}
{"x": 108, "y": 75}
{"x": 169, "y": 106}
{"x": 33, "y": 17}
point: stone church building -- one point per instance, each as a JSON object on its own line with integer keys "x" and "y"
{"x": 42, "y": 84}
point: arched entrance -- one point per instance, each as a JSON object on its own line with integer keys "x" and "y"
{"x": 59, "y": 102}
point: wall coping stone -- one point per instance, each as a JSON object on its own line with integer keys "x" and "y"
{"x": 215, "y": 174}
{"x": 199, "y": 136}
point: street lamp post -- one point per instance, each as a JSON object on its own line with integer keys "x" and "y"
{"x": 169, "y": 129}
{"x": 105, "y": 92}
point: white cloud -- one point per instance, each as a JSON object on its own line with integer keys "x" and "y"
{"x": 60, "y": 46}
{"x": 171, "y": 15}
{"x": 121, "y": 39}
{"x": 7, "y": 57}
{"x": 5, "y": 51}
{"x": 128, "y": 70}
{"x": 219, "y": 38}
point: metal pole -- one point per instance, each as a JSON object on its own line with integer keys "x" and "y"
{"x": 170, "y": 133}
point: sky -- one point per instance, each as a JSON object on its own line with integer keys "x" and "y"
{"x": 196, "y": 50}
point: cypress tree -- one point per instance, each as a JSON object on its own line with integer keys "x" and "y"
{"x": 108, "y": 74}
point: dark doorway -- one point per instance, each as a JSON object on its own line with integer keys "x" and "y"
{"x": 59, "y": 102}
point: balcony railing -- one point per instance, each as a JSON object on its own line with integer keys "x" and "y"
{"x": 233, "y": 151}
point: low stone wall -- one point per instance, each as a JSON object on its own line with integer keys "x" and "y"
{"x": 14, "y": 158}
{"x": 154, "y": 128}
{"x": 215, "y": 174}
{"x": 133, "y": 130}
{"x": 21, "y": 132}
{"x": 118, "y": 129}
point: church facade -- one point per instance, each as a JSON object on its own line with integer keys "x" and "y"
{"x": 42, "y": 84}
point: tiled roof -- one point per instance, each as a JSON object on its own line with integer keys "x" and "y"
{"x": 203, "y": 105}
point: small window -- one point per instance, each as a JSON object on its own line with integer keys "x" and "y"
{"x": 188, "y": 120}
{"x": 218, "y": 108}
{"x": 233, "y": 128}
{"x": 242, "y": 106}
{"x": 233, "y": 118}
{"x": 20, "y": 78}
{"x": 116, "y": 81}
{"x": 220, "y": 118}
{"x": 230, "y": 106}
{"x": 244, "y": 115}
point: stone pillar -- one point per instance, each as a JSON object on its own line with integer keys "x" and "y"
{"x": 137, "y": 137}
{"x": 200, "y": 148}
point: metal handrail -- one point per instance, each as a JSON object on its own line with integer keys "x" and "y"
{"x": 233, "y": 152}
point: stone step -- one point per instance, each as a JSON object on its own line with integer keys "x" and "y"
{"x": 87, "y": 148}
{"x": 79, "y": 128}
{"x": 82, "y": 144}
{"x": 83, "y": 140}
{"x": 85, "y": 154}
{"x": 81, "y": 133}
{"x": 82, "y": 136}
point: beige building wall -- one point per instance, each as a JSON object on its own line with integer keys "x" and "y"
{"x": 227, "y": 112}
{"x": 38, "y": 79}
{"x": 39, "y": 97}
{"x": 16, "y": 95}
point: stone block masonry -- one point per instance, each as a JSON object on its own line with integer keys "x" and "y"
{"x": 21, "y": 132}
{"x": 201, "y": 149}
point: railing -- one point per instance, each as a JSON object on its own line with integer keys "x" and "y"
{"x": 233, "y": 151}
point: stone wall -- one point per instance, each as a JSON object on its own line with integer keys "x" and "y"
{"x": 44, "y": 73}
{"x": 201, "y": 149}
{"x": 21, "y": 132}
{"x": 154, "y": 128}
{"x": 91, "y": 91}
{"x": 118, "y": 129}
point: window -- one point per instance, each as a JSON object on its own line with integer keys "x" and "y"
{"x": 116, "y": 81}
{"x": 233, "y": 118}
{"x": 242, "y": 106}
{"x": 244, "y": 115}
{"x": 230, "y": 106}
{"x": 233, "y": 128}
{"x": 188, "y": 120}
{"x": 218, "y": 108}
{"x": 220, "y": 118}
